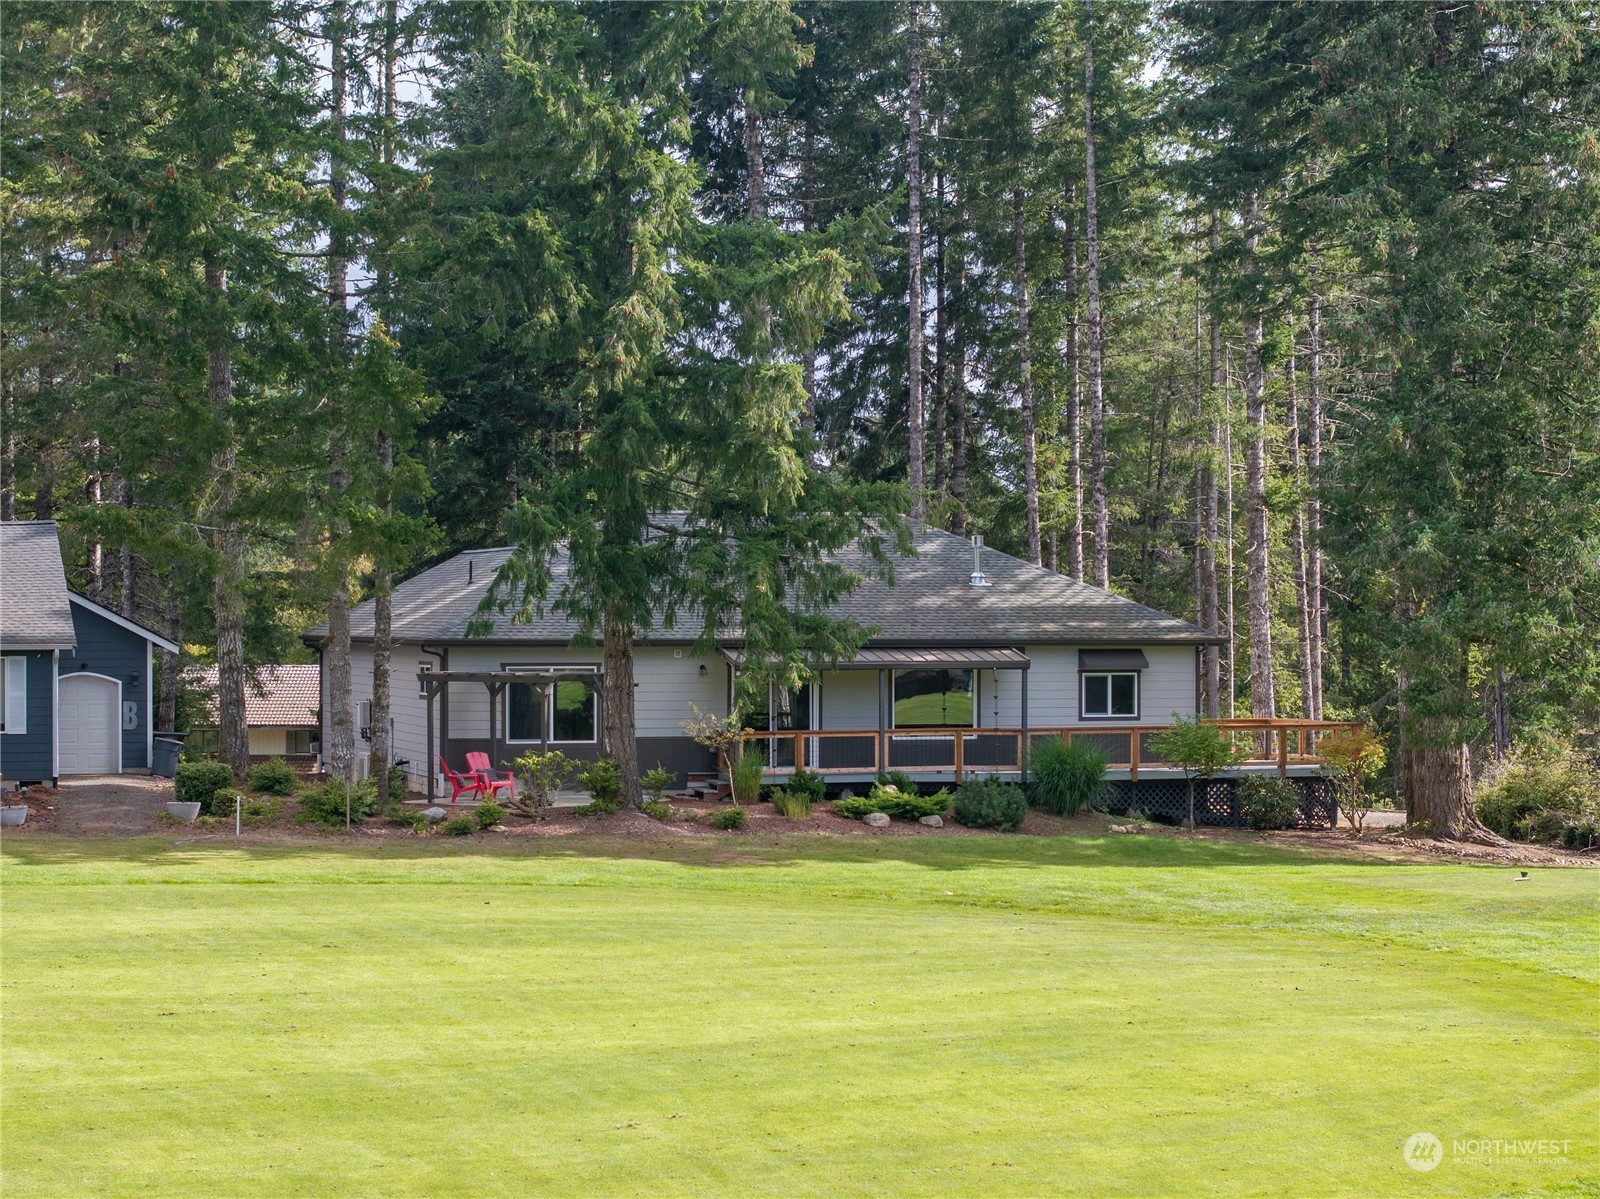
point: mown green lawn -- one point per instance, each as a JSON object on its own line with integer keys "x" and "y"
{"x": 787, "y": 1016}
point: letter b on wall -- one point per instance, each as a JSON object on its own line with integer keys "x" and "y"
{"x": 130, "y": 714}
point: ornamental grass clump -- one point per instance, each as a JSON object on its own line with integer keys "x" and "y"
{"x": 792, "y": 805}
{"x": 1066, "y": 778}
{"x": 746, "y": 775}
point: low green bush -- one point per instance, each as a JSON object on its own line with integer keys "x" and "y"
{"x": 199, "y": 782}
{"x": 273, "y": 777}
{"x": 656, "y": 781}
{"x": 256, "y": 813}
{"x": 1066, "y": 778}
{"x": 325, "y": 805}
{"x": 1268, "y": 802}
{"x": 793, "y": 805}
{"x": 803, "y": 782}
{"x": 1585, "y": 834}
{"x": 602, "y": 779}
{"x": 599, "y": 807}
{"x": 489, "y": 814}
{"x": 1538, "y": 792}
{"x": 460, "y": 826}
{"x": 989, "y": 803}
{"x": 397, "y": 786}
{"x": 907, "y": 805}
{"x": 729, "y": 818}
{"x": 656, "y": 810}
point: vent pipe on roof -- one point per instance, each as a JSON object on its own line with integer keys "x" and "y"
{"x": 469, "y": 570}
{"x": 978, "y": 579}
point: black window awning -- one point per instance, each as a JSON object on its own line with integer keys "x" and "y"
{"x": 1112, "y": 659}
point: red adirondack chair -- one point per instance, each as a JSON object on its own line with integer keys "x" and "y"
{"x": 468, "y": 784}
{"x": 486, "y": 775}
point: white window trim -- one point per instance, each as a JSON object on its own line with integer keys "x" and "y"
{"x": 977, "y": 712}
{"x": 1138, "y": 695}
{"x": 549, "y": 702}
{"x": 422, "y": 687}
{"x": 17, "y": 663}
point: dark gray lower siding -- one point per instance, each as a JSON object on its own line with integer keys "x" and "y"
{"x": 677, "y": 754}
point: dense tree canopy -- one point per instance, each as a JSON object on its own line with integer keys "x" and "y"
{"x": 1282, "y": 316}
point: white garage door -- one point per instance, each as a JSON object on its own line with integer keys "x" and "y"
{"x": 89, "y": 728}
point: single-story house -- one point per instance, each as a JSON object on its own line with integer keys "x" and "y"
{"x": 281, "y": 704}
{"x": 77, "y": 676}
{"x": 976, "y": 657}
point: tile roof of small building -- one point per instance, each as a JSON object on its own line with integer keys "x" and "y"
{"x": 931, "y": 602}
{"x": 285, "y": 696}
{"x": 35, "y": 612}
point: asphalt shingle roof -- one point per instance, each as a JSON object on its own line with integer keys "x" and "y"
{"x": 285, "y": 696}
{"x": 930, "y": 603}
{"x": 34, "y": 610}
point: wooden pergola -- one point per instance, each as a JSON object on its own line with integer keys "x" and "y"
{"x": 434, "y": 683}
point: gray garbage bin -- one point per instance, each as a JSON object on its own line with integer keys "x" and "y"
{"x": 164, "y": 756}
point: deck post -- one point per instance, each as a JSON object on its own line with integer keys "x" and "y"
{"x": 961, "y": 753}
{"x": 432, "y": 767}
{"x": 1133, "y": 755}
{"x": 1283, "y": 752}
{"x": 1025, "y": 750}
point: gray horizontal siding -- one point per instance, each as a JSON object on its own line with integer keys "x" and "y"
{"x": 109, "y": 649}
{"x": 29, "y": 757}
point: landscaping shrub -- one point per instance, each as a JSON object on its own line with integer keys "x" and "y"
{"x": 199, "y": 782}
{"x": 1066, "y": 778}
{"x": 729, "y": 818}
{"x": 598, "y": 807}
{"x": 1538, "y": 792}
{"x": 397, "y": 786}
{"x": 541, "y": 776}
{"x": 655, "y": 782}
{"x": 1268, "y": 802}
{"x": 746, "y": 775}
{"x": 459, "y": 826}
{"x": 256, "y": 813}
{"x": 273, "y": 777}
{"x": 656, "y": 810}
{"x": 794, "y": 805}
{"x": 325, "y": 805}
{"x": 898, "y": 779}
{"x": 602, "y": 779}
{"x": 803, "y": 782}
{"x": 989, "y": 803}
{"x": 906, "y": 805}
{"x": 489, "y": 814}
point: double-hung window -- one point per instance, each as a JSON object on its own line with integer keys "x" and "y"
{"x": 1111, "y": 694}
{"x": 569, "y": 713}
{"x": 14, "y": 695}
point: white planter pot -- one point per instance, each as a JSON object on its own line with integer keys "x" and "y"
{"x": 186, "y": 812}
{"x": 12, "y": 815}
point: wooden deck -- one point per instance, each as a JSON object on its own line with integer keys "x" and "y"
{"x": 956, "y": 753}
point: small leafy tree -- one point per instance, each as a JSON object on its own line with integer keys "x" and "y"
{"x": 541, "y": 776}
{"x": 1203, "y": 751}
{"x": 1349, "y": 757}
{"x": 722, "y": 735}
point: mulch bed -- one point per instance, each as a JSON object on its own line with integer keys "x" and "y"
{"x": 43, "y": 810}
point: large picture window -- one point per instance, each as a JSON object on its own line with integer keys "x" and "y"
{"x": 1110, "y": 695}
{"x": 933, "y": 699}
{"x": 568, "y": 716}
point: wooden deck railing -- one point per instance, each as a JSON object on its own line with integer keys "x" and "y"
{"x": 1280, "y": 743}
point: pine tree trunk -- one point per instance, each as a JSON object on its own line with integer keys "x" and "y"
{"x": 8, "y": 452}
{"x": 336, "y": 667}
{"x": 1030, "y": 444}
{"x": 94, "y": 572}
{"x": 915, "y": 412}
{"x": 754, "y": 160}
{"x": 941, "y": 333}
{"x": 1314, "y": 600}
{"x": 1074, "y": 394}
{"x": 1231, "y": 682}
{"x": 808, "y": 222}
{"x": 1297, "y": 536}
{"x": 958, "y": 401}
{"x": 127, "y": 595}
{"x": 227, "y": 540}
{"x": 167, "y": 715}
{"x": 1097, "y": 399}
{"x": 1211, "y": 655}
{"x": 616, "y": 701}
{"x": 1257, "y": 584}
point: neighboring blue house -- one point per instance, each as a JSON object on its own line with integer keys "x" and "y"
{"x": 76, "y": 693}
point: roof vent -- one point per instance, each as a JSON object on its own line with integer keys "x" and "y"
{"x": 978, "y": 579}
